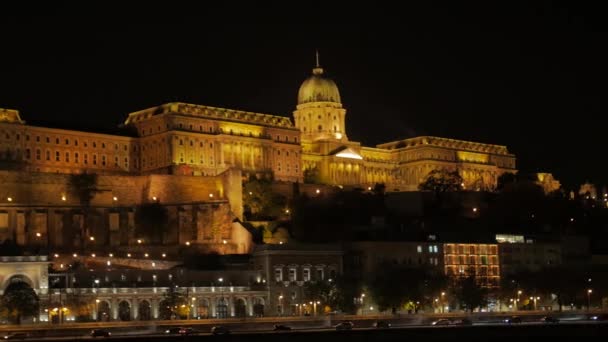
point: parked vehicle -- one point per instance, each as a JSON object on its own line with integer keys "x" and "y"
{"x": 174, "y": 330}
{"x": 16, "y": 336}
{"x": 550, "y": 319}
{"x": 442, "y": 321}
{"x": 512, "y": 320}
{"x": 220, "y": 330}
{"x": 464, "y": 321}
{"x": 186, "y": 331}
{"x": 345, "y": 326}
{"x": 381, "y": 325}
{"x": 100, "y": 333}
{"x": 278, "y": 327}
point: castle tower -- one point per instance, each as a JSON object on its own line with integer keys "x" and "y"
{"x": 319, "y": 114}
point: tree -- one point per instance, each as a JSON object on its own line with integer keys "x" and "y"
{"x": 173, "y": 304}
{"x": 470, "y": 294}
{"x": 321, "y": 290}
{"x": 394, "y": 285}
{"x": 347, "y": 288}
{"x": 260, "y": 201}
{"x": 84, "y": 187}
{"x": 20, "y": 301}
{"x": 442, "y": 180}
{"x": 505, "y": 179}
{"x": 311, "y": 176}
{"x": 151, "y": 222}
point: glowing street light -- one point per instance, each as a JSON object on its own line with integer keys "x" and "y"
{"x": 139, "y": 241}
{"x": 589, "y": 292}
{"x": 63, "y": 198}
{"x": 38, "y": 235}
{"x": 318, "y": 191}
{"x": 114, "y": 198}
{"x": 475, "y": 209}
{"x": 164, "y": 255}
{"x": 92, "y": 238}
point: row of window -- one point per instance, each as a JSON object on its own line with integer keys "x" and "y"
{"x": 67, "y": 141}
{"x": 470, "y": 249}
{"x": 292, "y": 274}
{"x": 471, "y": 260}
{"x": 432, "y": 249}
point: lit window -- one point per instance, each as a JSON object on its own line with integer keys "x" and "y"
{"x": 306, "y": 274}
{"x": 419, "y": 249}
{"x": 292, "y": 274}
{"x": 278, "y": 274}
{"x": 435, "y": 249}
{"x": 430, "y": 249}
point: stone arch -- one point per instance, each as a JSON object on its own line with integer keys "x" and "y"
{"x": 124, "y": 310}
{"x": 144, "y": 310}
{"x": 258, "y": 306}
{"x": 221, "y": 307}
{"x": 17, "y": 277}
{"x": 240, "y": 307}
{"x": 103, "y": 310}
{"x": 203, "y": 308}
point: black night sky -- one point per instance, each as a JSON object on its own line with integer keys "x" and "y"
{"x": 532, "y": 77}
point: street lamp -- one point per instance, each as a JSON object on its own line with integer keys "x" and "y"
{"x": 97, "y": 309}
{"x": 534, "y": 299}
{"x": 442, "y": 301}
{"x": 281, "y": 305}
{"x": 519, "y": 292}
{"x": 589, "y": 292}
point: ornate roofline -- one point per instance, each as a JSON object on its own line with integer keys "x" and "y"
{"x": 445, "y": 143}
{"x": 201, "y": 111}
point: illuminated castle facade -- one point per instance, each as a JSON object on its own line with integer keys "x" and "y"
{"x": 189, "y": 156}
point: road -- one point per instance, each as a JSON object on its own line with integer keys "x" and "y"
{"x": 477, "y": 329}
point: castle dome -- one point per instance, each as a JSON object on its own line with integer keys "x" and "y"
{"x": 317, "y": 88}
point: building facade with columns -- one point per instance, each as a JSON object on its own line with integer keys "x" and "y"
{"x": 189, "y": 139}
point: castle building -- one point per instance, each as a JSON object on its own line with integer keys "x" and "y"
{"x": 190, "y": 155}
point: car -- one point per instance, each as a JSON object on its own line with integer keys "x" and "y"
{"x": 344, "y": 326}
{"x": 220, "y": 330}
{"x": 100, "y": 333}
{"x": 381, "y": 325}
{"x": 598, "y": 317}
{"x": 174, "y": 330}
{"x": 186, "y": 331}
{"x": 512, "y": 320}
{"x": 278, "y": 327}
{"x": 16, "y": 336}
{"x": 442, "y": 321}
{"x": 463, "y": 321}
{"x": 550, "y": 319}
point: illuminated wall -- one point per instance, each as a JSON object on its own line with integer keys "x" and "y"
{"x": 479, "y": 260}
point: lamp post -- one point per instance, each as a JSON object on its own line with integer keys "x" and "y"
{"x": 97, "y": 309}
{"x": 362, "y": 304}
{"x": 589, "y": 292}
{"x": 280, "y": 305}
{"x": 517, "y": 300}
{"x": 442, "y": 301}
{"x": 534, "y": 299}
{"x": 221, "y": 280}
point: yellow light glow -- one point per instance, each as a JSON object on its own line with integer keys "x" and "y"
{"x": 38, "y": 234}
{"x": 115, "y": 198}
{"x": 63, "y": 198}
{"x": 10, "y": 199}
{"x": 350, "y": 154}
